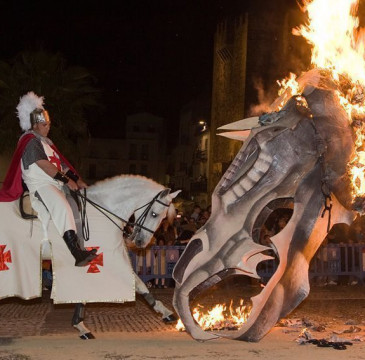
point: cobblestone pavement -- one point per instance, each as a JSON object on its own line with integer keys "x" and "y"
{"x": 39, "y": 330}
{"x": 40, "y": 317}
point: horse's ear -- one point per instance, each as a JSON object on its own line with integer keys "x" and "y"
{"x": 174, "y": 194}
{"x": 165, "y": 192}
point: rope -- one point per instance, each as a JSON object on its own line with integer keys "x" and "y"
{"x": 321, "y": 148}
{"x": 327, "y": 203}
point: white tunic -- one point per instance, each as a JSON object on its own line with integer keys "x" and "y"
{"x": 54, "y": 204}
{"x": 35, "y": 177}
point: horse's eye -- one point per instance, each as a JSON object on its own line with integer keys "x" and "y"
{"x": 153, "y": 214}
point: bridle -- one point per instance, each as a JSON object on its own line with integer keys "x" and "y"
{"x": 138, "y": 225}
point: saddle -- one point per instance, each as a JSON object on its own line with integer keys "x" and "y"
{"x": 25, "y": 207}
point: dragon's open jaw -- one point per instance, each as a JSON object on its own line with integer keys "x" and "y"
{"x": 246, "y": 267}
{"x": 235, "y": 284}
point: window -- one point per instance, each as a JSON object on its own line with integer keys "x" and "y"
{"x": 225, "y": 54}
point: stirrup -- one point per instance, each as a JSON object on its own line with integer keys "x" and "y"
{"x": 91, "y": 256}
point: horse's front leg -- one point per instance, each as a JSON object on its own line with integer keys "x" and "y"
{"x": 167, "y": 315}
{"x": 78, "y": 322}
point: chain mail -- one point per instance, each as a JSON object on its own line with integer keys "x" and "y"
{"x": 33, "y": 152}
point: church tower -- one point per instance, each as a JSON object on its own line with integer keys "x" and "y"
{"x": 228, "y": 92}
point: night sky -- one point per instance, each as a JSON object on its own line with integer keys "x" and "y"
{"x": 152, "y": 54}
{"x": 148, "y": 55}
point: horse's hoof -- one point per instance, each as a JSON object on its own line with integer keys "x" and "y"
{"x": 169, "y": 319}
{"x": 87, "y": 336}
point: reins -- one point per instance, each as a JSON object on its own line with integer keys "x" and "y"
{"x": 138, "y": 223}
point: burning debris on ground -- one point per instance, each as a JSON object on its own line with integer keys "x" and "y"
{"x": 219, "y": 317}
{"x": 308, "y": 327}
{"x": 350, "y": 330}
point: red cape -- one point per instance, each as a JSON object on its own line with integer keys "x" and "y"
{"x": 12, "y": 188}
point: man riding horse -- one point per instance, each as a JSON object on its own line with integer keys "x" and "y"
{"x": 46, "y": 173}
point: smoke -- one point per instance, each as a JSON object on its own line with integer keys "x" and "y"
{"x": 265, "y": 99}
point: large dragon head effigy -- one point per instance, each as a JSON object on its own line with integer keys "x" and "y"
{"x": 298, "y": 154}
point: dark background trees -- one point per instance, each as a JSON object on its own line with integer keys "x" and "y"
{"x": 70, "y": 94}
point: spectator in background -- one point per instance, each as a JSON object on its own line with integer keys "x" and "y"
{"x": 47, "y": 276}
{"x": 172, "y": 255}
{"x": 188, "y": 229}
{"x": 160, "y": 263}
{"x": 196, "y": 213}
{"x": 178, "y": 221}
{"x": 166, "y": 231}
{"x": 202, "y": 220}
{"x": 206, "y": 214}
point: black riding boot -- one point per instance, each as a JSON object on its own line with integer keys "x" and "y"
{"x": 82, "y": 257}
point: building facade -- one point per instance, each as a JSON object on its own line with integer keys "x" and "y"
{"x": 142, "y": 151}
{"x": 188, "y": 165}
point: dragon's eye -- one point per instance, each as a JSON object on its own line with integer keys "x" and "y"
{"x": 153, "y": 214}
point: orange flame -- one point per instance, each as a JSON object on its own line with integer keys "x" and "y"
{"x": 338, "y": 46}
{"x": 219, "y": 318}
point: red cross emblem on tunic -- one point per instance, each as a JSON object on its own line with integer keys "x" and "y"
{"x": 55, "y": 161}
{"x": 5, "y": 257}
{"x": 98, "y": 260}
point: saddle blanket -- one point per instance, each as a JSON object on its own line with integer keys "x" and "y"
{"x": 108, "y": 278}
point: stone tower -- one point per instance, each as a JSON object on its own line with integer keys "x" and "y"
{"x": 228, "y": 93}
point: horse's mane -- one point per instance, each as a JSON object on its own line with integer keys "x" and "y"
{"x": 124, "y": 180}
{"x": 111, "y": 191}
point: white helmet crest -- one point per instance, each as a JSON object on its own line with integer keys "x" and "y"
{"x": 27, "y": 104}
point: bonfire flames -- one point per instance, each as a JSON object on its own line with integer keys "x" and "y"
{"x": 219, "y": 317}
{"x": 338, "y": 49}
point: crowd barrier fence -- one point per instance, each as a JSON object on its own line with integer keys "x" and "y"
{"x": 331, "y": 260}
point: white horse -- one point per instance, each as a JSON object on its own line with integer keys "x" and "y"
{"x": 109, "y": 277}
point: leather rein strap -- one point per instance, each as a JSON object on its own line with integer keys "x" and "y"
{"x": 139, "y": 223}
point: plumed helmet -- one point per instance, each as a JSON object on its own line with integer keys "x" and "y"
{"x": 30, "y": 111}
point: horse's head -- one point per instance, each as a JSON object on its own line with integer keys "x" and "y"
{"x": 296, "y": 156}
{"x": 149, "y": 216}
